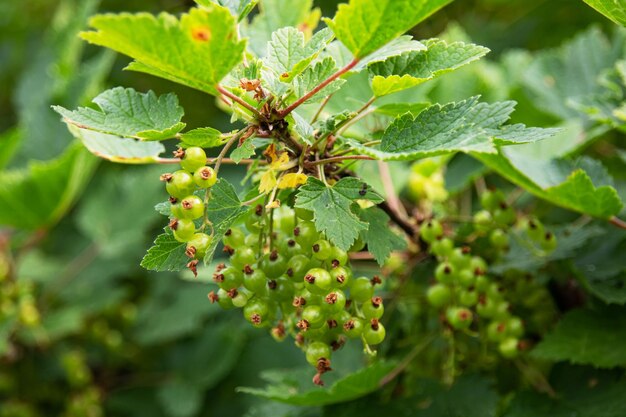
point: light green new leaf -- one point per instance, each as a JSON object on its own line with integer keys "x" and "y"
{"x": 288, "y": 55}
{"x": 198, "y": 50}
{"x": 332, "y": 206}
{"x": 413, "y": 68}
{"x": 245, "y": 150}
{"x": 127, "y": 113}
{"x": 204, "y": 137}
{"x": 239, "y": 8}
{"x": 587, "y": 337}
{"x": 613, "y": 9}
{"x": 353, "y": 386}
{"x": 565, "y": 184}
{"x": 466, "y": 126}
{"x": 381, "y": 240}
{"x": 40, "y": 194}
{"x": 313, "y": 76}
{"x": 224, "y": 208}
{"x": 117, "y": 149}
{"x": 364, "y": 26}
{"x": 167, "y": 254}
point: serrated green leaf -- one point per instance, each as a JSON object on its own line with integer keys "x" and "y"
{"x": 239, "y": 8}
{"x": 466, "y": 126}
{"x": 245, "y": 150}
{"x": 413, "y": 68}
{"x": 313, "y": 76}
{"x": 613, "y": 9}
{"x": 277, "y": 14}
{"x": 127, "y": 113}
{"x": 560, "y": 182}
{"x": 587, "y": 337}
{"x": 117, "y": 149}
{"x": 198, "y": 50}
{"x": 353, "y": 386}
{"x": 398, "y": 109}
{"x": 397, "y": 46}
{"x": 167, "y": 254}
{"x": 367, "y": 25}
{"x": 224, "y": 209}
{"x": 40, "y": 194}
{"x": 332, "y": 123}
{"x": 288, "y": 55}
{"x": 381, "y": 240}
{"x": 204, "y": 137}
{"x": 301, "y": 127}
{"x": 332, "y": 206}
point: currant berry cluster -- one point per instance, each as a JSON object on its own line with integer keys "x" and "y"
{"x": 17, "y": 299}
{"x": 188, "y": 208}
{"x": 467, "y": 295}
{"x": 295, "y": 282}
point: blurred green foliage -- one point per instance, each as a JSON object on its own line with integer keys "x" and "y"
{"x": 87, "y": 332}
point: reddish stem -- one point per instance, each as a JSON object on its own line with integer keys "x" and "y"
{"x": 616, "y": 221}
{"x": 239, "y": 100}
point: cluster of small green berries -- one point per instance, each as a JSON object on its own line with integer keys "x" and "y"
{"x": 186, "y": 206}
{"x": 17, "y": 300}
{"x": 496, "y": 217}
{"x": 299, "y": 284}
{"x": 467, "y": 295}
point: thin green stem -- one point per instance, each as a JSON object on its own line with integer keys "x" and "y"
{"x": 239, "y": 100}
{"x": 321, "y": 109}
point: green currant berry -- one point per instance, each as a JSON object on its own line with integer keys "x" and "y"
{"x": 373, "y": 308}
{"x": 183, "y": 229}
{"x": 515, "y": 327}
{"x": 459, "y": 318}
{"x": 321, "y": 249}
{"x": 482, "y": 221}
{"x": 317, "y": 281}
{"x": 468, "y": 298}
{"x": 509, "y": 348}
{"x": 223, "y": 299}
{"x": 200, "y": 242}
{"x": 505, "y": 215}
{"x": 445, "y": 273}
{"x": 353, "y": 327}
{"x": 478, "y": 265}
{"x": 305, "y": 234}
{"x": 297, "y": 267}
{"x": 234, "y": 237}
{"x": 192, "y": 207}
{"x": 361, "y": 290}
{"x": 374, "y": 333}
{"x": 257, "y": 312}
{"x": 482, "y": 283}
{"x": 497, "y": 331}
{"x": 338, "y": 257}
{"x": 254, "y": 279}
{"x": 179, "y": 184}
{"x": 284, "y": 220}
{"x": 431, "y": 231}
{"x": 194, "y": 158}
{"x": 442, "y": 248}
{"x": 486, "y": 307}
{"x": 241, "y": 297}
{"x": 281, "y": 289}
{"x": 534, "y": 229}
{"x": 304, "y": 214}
{"x": 491, "y": 200}
{"x": 358, "y": 245}
{"x": 499, "y": 239}
{"x": 460, "y": 258}
{"x": 335, "y": 301}
{"x": 314, "y": 317}
{"x": 340, "y": 276}
{"x": 243, "y": 256}
{"x": 251, "y": 239}
{"x": 439, "y": 295}
{"x": 205, "y": 177}
{"x": 292, "y": 248}
{"x": 316, "y": 351}
{"x": 229, "y": 278}
{"x": 254, "y": 219}
{"x": 466, "y": 277}
{"x": 548, "y": 243}
{"x": 273, "y": 264}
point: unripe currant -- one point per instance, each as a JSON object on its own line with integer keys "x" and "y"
{"x": 193, "y": 158}
{"x": 374, "y": 333}
{"x": 183, "y": 229}
{"x": 192, "y": 207}
{"x": 179, "y": 184}
{"x": 205, "y": 177}
{"x": 373, "y": 308}
{"x": 305, "y": 234}
{"x": 439, "y": 295}
{"x": 353, "y": 327}
{"x": 321, "y": 249}
{"x": 316, "y": 351}
{"x": 361, "y": 289}
{"x": 198, "y": 245}
{"x": 459, "y": 318}
{"x": 431, "y": 231}
{"x": 442, "y": 247}
{"x": 317, "y": 281}
{"x": 340, "y": 276}
{"x": 335, "y": 301}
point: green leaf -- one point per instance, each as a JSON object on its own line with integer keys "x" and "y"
{"x": 313, "y": 76}
{"x": 224, "y": 209}
{"x": 563, "y": 183}
{"x": 353, "y": 386}
{"x": 127, "y": 113}
{"x": 587, "y": 337}
{"x": 413, "y": 68}
{"x": 466, "y": 126}
{"x": 367, "y": 25}
{"x": 39, "y": 195}
{"x": 197, "y": 51}
{"x": 332, "y": 206}
{"x": 117, "y": 149}
{"x": 398, "y": 109}
{"x": 613, "y": 9}
{"x": 204, "y": 137}
{"x": 381, "y": 240}
{"x": 167, "y": 254}
{"x": 288, "y": 55}
{"x": 245, "y": 150}
{"x": 239, "y": 8}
